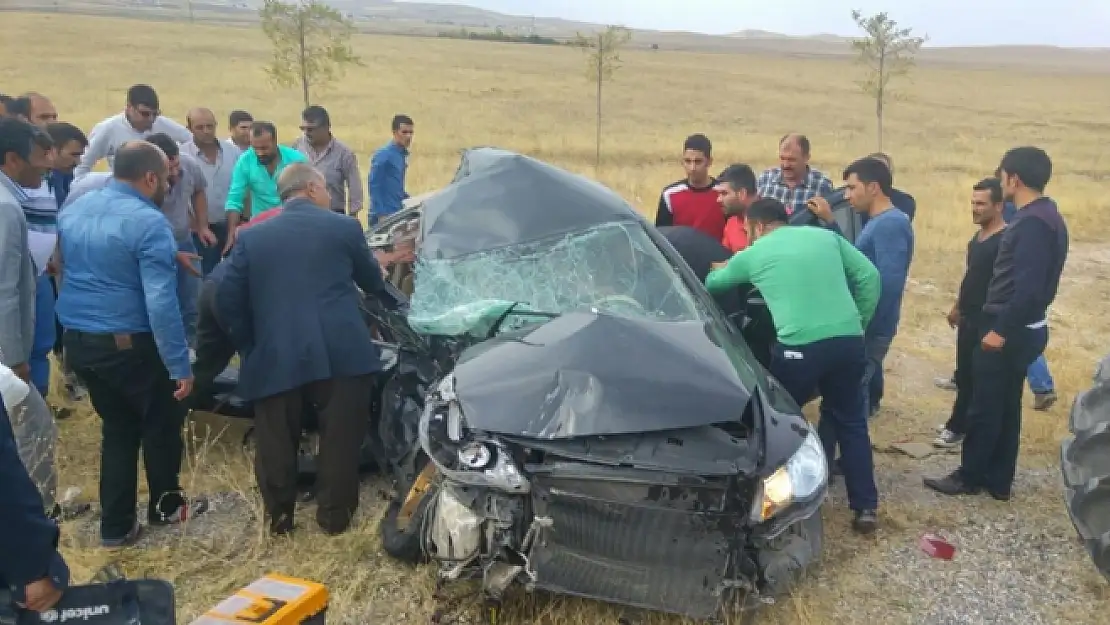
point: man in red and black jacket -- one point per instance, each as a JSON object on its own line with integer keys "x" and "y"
{"x": 693, "y": 201}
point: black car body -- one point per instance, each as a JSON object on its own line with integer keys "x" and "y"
{"x": 1085, "y": 464}
{"x": 567, "y": 409}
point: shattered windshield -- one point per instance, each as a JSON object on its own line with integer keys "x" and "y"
{"x": 613, "y": 268}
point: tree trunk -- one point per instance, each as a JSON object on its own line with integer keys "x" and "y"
{"x": 303, "y": 55}
{"x": 600, "y": 80}
{"x": 880, "y": 96}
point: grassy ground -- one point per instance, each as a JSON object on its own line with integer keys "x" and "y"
{"x": 947, "y": 130}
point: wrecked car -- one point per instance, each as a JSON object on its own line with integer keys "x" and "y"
{"x": 596, "y": 426}
{"x": 1085, "y": 464}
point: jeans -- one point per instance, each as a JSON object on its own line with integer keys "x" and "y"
{"x": 45, "y": 335}
{"x": 210, "y": 256}
{"x": 834, "y": 368}
{"x": 990, "y": 451}
{"x": 1040, "y": 379}
{"x": 188, "y": 289}
{"x": 967, "y": 339}
{"x": 875, "y": 351}
{"x": 132, "y": 393}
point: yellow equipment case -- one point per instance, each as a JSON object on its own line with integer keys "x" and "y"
{"x": 272, "y": 600}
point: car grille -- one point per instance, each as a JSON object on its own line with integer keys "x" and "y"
{"x": 666, "y": 549}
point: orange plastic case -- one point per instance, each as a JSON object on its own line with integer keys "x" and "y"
{"x": 272, "y": 600}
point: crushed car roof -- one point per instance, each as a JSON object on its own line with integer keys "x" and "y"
{"x": 501, "y": 198}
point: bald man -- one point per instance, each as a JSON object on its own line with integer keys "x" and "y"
{"x": 217, "y": 159}
{"x": 40, "y": 110}
{"x": 289, "y": 303}
{"x": 793, "y": 182}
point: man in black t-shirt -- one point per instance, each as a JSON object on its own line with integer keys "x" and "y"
{"x": 986, "y": 212}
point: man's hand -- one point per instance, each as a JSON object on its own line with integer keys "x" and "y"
{"x": 207, "y": 237}
{"x": 718, "y": 265}
{"x": 23, "y": 370}
{"x": 185, "y": 259}
{"x": 993, "y": 342}
{"x": 41, "y": 595}
{"x": 821, "y": 208}
{"x": 954, "y": 317}
{"x": 184, "y": 389}
{"x": 232, "y": 235}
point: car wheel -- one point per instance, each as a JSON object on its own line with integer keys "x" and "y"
{"x": 403, "y": 523}
{"x": 784, "y": 560}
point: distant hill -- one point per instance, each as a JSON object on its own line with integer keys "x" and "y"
{"x": 430, "y": 19}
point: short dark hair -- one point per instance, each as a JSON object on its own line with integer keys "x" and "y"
{"x": 142, "y": 95}
{"x": 400, "y": 120}
{"x": 738, "y": 176}
{"x": 699, "y": 142}
{"x": 16, "y": 137}
{"x": 766, "y": 211}
{"x": 802, "y": 140}
{"x": 870, "y": 169}
{"x": 317, "y": 115}
{"x": 64, "y": 132}
{"x": 166, "y": 143}
{"x": 237, "y": 117}
{"x": 994, "y": 185}
{"x": 5, "y": 100}
{"x": 1030, "y": 164}
{"x": 19, "y": 106}
{"x": 135, "y": 160}
{"x": 263, "y": 128}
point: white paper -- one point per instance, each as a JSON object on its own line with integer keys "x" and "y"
{"x": 41, "y": 245}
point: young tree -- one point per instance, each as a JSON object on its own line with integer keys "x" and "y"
{"x": 887, "y": 52}
{"x": 311, "y": 43}
{"x": 602, "y": 61}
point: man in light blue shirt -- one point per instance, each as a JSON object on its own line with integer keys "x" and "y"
{"x": 257, "y": 171}
{"x": 387, "y": 171}
{"x": 125, "y": 338}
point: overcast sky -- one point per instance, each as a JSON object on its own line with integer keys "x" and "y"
{"x": 1072, "y": 23}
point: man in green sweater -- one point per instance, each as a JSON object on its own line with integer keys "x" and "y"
{"x": 821, "y": 292}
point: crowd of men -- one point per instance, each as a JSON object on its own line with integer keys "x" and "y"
{"x": 146, "y": 280}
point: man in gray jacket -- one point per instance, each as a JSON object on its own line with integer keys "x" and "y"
{"x": 23, "y": 162}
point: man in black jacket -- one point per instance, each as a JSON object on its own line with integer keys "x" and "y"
{"x": 1014, "y": 327}
{"x": 30, "y": 565}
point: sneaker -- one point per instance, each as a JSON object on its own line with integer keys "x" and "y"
{"x": 191, "y": 508}
{"x": 1044, "y": 401}
{"x": 130, "y": 539}
{"x": 74, "y": 389}
{"x": 947, "y": 384}
{"x": 865, "y": 522}
{"x": 948, "y": 439}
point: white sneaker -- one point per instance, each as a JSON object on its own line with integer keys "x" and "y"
{"x": 947, "y": 384}
{"x": 948, "y": 440}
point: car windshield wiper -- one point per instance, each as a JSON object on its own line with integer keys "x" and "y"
{"x": 512, "y": 310}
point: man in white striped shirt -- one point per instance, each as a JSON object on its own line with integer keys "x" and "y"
{"x": 140, "y": 119}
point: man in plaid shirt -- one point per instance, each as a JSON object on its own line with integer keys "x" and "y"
{"x": 793, "y": 182}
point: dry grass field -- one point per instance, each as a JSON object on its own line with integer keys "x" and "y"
{"x": 947, "y": 131}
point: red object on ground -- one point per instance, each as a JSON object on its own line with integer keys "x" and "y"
{"x": 937, "y": 547}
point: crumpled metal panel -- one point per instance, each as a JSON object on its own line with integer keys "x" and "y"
{"x": 639, "y": 545}
{"x": 1085, "y": 465}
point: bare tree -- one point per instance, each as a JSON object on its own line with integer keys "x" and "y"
{"x": 603, "y": 60}
{"x": 887, "y": 52}
{"x": 311, "y": 43}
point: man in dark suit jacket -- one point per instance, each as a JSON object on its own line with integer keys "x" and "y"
{"x": 289, "y": 303}
{"x": 30, "y": 566}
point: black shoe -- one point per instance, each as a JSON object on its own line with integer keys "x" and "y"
{"x": 865, "y": 522}
{"x": 281, "y": 524}
{"x": 1000, "y": 495}
{"x": 951, "y": 484}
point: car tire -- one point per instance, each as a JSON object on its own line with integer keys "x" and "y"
{"x": 784, "y": 561}
{"x": 404, "y": 540}
{"x": 1086, "y": 469}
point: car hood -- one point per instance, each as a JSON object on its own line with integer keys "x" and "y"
{"x": 591, "y": 374}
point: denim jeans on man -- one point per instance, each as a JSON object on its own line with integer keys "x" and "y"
{"x": 833, "y": 369}
{"x": 1040, "y": 379}
{"x": 875, "y": 350}
{"x": 990, "y": 451}
{"x": 210, "y": 255}
{"x": 45, "y": 335}
{"x": 188, "y": 289}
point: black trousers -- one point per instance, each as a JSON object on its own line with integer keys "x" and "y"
{"x": 343, "y": 406}
{"x": 132, "y": 392}
{"x": 967, "y": 339}
{"x": 990, "y": 451}
{"x": 214, "y": 347}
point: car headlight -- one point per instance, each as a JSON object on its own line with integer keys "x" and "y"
{"x": 800, "y": 478}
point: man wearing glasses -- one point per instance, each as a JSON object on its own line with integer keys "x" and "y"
{"x": 140, "y": 119}
{"x": 332, "y": 158}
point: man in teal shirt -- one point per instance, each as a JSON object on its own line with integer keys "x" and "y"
{"x": 821, "y": 292}
{"x": 257, "y": 171}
